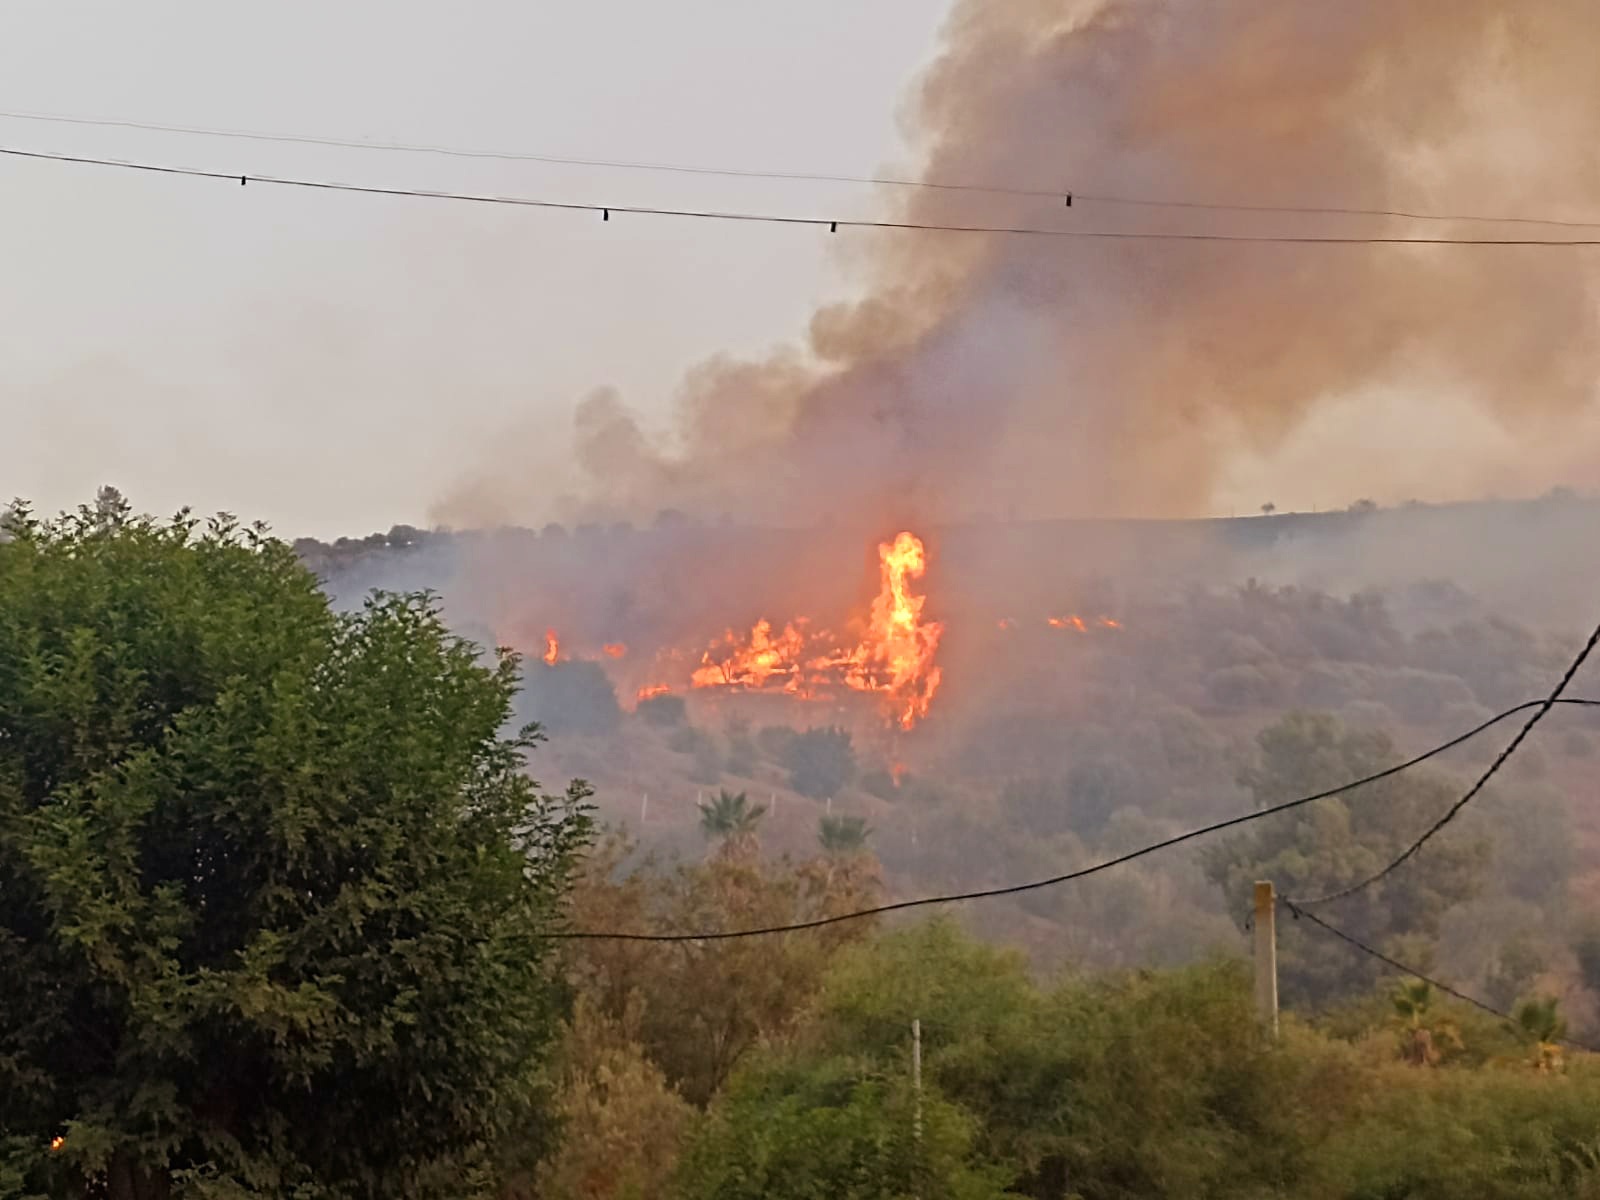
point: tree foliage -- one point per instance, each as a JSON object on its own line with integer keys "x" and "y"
{"x": 1337, "y": 841}
{"x": 698, "y": 1007}
{"x": 820, "y": 761}
{"x": 271, "y": 880}
{"x": 731, "y": 821}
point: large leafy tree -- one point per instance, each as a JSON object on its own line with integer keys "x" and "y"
{"x": 1332, "y": 843}
{"x": 271, "y": 879}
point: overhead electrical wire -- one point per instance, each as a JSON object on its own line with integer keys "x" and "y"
{"x": 1054, "y": 880}
{"x": 1500, "y": 760}
{"x": 993, "y": 189}
{"x": 830, "y": 223}
{"x": 1358, "y": 944}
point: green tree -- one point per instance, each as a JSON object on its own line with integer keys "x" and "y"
{"x": 1426, "y": 1037}
{"x": 841, "y": 837}
{"x": 271, "y": 880}
{"x": 839, "y": 1129}
{"x": 1540, "y": 1021}
{"x": 731, "y": 821}
{"x": 1148, "y": 1084}
{"x": 1335, "y": 842}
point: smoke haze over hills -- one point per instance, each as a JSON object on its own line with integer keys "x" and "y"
{"x": 994, "y": 374}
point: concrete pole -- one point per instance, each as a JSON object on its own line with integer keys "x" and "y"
{"x": 1266, "y": 956}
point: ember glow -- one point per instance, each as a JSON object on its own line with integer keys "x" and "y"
{"x": 614, "y": 650}
{"x": 552, "y": 647}
{"x": 653, "y": 689}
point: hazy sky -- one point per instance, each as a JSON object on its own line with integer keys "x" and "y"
{"x": 331, "y": 363}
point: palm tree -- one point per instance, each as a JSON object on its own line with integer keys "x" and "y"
{"x": 841, "y": 837}
{"x": 1420, "y": 1032}
{"x": 1539, "y": 1020}
{"x": 731, "y": 820}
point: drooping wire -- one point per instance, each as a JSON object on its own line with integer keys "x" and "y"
{"x": 799, "y": 176}
{"x": 1500, "y": 760}
{"x": 1054, "y": 880}
{"x": 1298, "y": 912}
{"x": 833, "y": 224}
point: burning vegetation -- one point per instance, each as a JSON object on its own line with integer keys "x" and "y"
{"x": 890, "y": 657}
{"x": 893, "y": 657}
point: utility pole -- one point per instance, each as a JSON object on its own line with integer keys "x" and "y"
{"x": 1266, "y": 956}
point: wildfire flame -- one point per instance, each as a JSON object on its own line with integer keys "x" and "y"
{"x": 894, "y": 656}
{"x": 56, "y": 1144}
{"x": 552, "y": 647}
{"x": 614, "y": 650}
{"x": 1080, "y": 625}
{"x": 751, "y": 663}
{"x": 653, "y": 689}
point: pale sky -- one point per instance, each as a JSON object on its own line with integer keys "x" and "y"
{"x": 332, "y": 363}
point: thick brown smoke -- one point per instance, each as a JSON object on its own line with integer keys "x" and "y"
{"x": 1042, "y": 376}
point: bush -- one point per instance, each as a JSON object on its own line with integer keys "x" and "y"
{"x": 774, "y": 742}
{"x": 664, "y": 710}
{"x": 1246, "y": 686}
{"x": 568, "y": 697}
{"x": 820, "y": 761}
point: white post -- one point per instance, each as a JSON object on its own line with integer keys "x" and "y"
{"x": 644, "y": 806}
{"x": 1266, "y": 956}
{"x": 916, "y": 1079}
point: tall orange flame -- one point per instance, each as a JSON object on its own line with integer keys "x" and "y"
{"x": 552, "y": 647}
{"x": 896, "y": 655}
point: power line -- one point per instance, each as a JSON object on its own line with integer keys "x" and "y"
{"x": 801, "y": 176}
{"x": 830, "y": 223}
{"x": 1472, "y": 792}
{"x": 1356, "y": 942}
{"x": 1084, "y": 872}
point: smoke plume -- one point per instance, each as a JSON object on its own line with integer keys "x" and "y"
{"x": 1013, "y": 375}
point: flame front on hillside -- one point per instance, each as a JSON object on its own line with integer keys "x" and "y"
{"x": 894, "y": 656}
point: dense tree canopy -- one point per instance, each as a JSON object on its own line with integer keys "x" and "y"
{"x": 271, "y": 880}
{"x": 1335, "y": 842}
